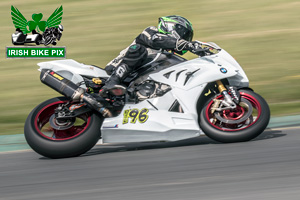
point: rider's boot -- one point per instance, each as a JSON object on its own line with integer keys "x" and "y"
{"x": 114, "y": 82}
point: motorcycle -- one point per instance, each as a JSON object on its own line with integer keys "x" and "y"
{"x": 167, "y": 99}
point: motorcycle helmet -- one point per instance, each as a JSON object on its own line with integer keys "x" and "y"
{"x": 177, "y": 26}
{"x": 60, "y": 28}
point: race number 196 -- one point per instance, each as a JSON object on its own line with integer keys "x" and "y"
{"x": 134, "y": 115}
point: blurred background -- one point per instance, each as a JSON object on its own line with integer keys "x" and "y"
{"x": 263, "y": 36}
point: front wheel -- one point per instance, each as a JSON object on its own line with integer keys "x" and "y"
{"x": 56, "y": 139}
{"x": 248, "y": 120}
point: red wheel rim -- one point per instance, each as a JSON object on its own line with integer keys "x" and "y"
{"x": 43, "y": 127}
{"x": 235, "y": 115}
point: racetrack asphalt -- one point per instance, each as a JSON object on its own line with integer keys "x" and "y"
{"x": 17, "y": 142}
{"x": 264, "y": 168}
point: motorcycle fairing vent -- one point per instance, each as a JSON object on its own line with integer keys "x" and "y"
{"x": 189, "y": 75}
{"x": 176, "y": 107}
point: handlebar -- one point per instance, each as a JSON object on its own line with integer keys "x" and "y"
{"x": 209, "y": 48}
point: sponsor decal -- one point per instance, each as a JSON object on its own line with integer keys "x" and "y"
{"x": 208, "y": 93}
{"x": 56, "y": 76}
{"x": 76, "y": 106}
{"x": 133, "y": 47}
{"x": 115, "y": 126}
{"x": 135, "y": 115}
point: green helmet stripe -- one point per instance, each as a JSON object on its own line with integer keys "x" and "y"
{"x": 178, "y": 24}
{"x": 167, "y": 19}
{"x": 161, "y": 30}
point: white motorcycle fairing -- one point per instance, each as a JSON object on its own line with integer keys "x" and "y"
{"x": 152, "y": 119}
{"x": 73, "y": 70}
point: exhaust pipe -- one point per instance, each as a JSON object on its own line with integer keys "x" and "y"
{"x": 71, "y": 90}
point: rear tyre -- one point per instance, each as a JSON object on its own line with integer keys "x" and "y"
{"x": 244, "y": 123}
{"x": 53, "y": 139}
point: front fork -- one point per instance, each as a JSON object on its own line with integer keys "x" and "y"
{"x": 226, "y": 103}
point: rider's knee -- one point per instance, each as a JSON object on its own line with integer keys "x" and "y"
{"x": 135, "y": 56}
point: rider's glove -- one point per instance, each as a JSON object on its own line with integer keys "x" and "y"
{"x": 195, "y": 48}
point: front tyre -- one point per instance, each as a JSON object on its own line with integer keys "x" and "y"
{"x": 244, "y": 123}
{"x": 52, "y": 139}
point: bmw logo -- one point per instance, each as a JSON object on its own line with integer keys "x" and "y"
{"x": 223, "y": 70}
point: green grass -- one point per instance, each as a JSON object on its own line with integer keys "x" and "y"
{"x": 262, "y": 35}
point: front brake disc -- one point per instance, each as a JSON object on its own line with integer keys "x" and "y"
{"x": 243, "y": 102}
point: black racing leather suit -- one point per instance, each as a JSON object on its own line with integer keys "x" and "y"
{"x": 149, "y": 42}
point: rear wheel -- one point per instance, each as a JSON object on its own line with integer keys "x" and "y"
{"x": 60, "y": 139}
{"x": 245, "y": 122}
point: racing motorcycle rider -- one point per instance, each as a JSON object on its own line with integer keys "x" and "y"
{"x": 173, "y": 33}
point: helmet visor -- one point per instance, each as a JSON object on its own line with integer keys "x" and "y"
{"x": 184, "y": 33}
